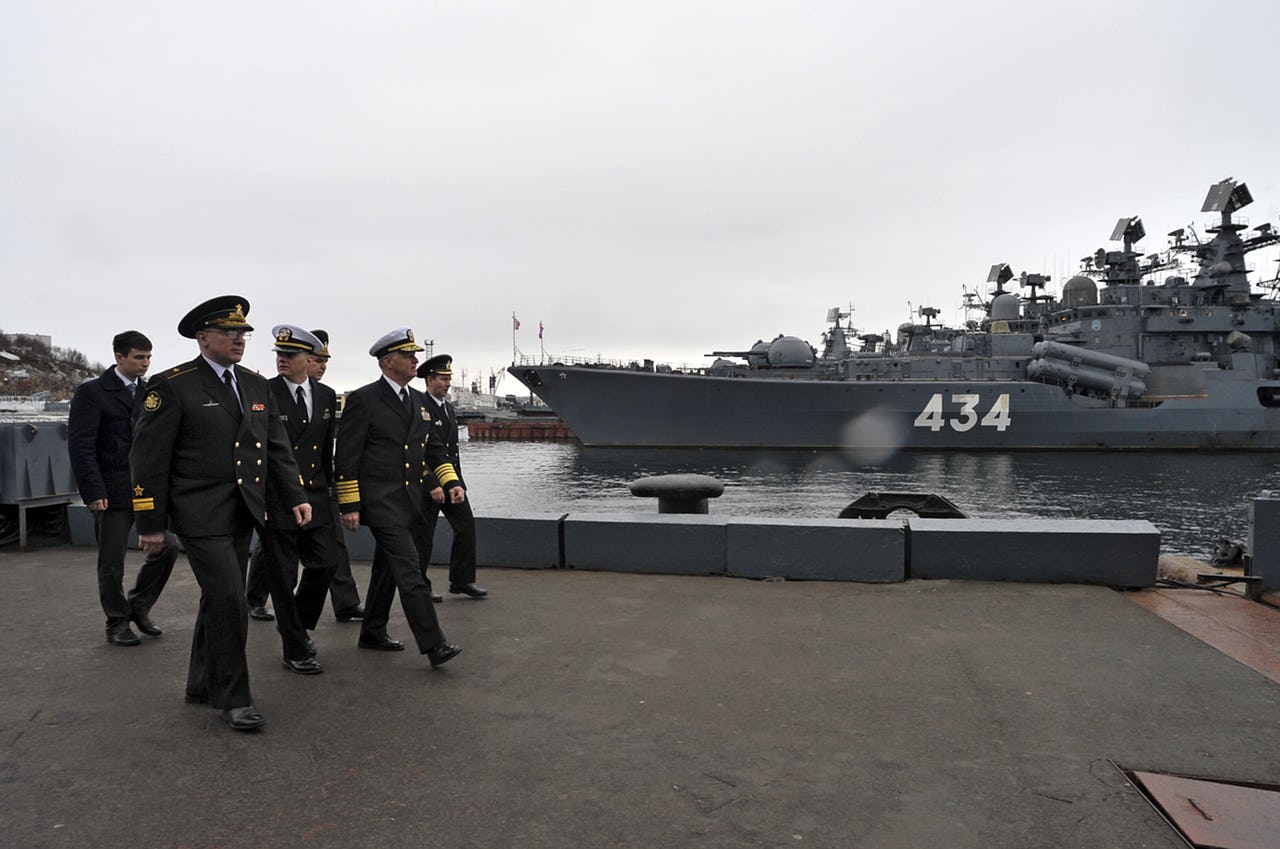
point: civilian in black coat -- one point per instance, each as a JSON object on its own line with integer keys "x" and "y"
{"x": 380, "y": 467}
{"x": 99, "y": 434}
{"x": 208, "y": 438}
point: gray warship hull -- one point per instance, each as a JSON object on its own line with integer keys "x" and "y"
{"x": 1135, "y": 354}
{"x": 620, "y": 407}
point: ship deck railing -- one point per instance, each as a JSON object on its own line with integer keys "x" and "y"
{"x": 601, "y": 363}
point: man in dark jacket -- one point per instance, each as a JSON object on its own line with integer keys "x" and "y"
{"x": 451, "y": 495}
{"x": 308, "y": 410}
{"x": 208, "y": 438}
{"x": 380, "y": 468}
{"x": 99, "y": 434}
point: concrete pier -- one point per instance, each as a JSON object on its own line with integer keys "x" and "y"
{"x": 602, "y": 709}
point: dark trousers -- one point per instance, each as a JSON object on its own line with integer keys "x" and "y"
{"x": 297, "y": 611}
{"x": 218, "y": 669}
{"x": 395, "y": 567}
{"x": 112, "y": 530}
{"x": 462, "y": 555}
{"x": 343, "y": 591}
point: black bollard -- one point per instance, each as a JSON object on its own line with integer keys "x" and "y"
{"x": 680, "y": 493}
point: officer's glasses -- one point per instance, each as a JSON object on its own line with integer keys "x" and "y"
{"x": 230, "y": 334}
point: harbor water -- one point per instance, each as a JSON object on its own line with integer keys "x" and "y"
{"x": 1194, "y": 499}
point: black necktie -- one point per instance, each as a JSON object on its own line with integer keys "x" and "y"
{"x": 302, "y": 406}
{"x": 226, "y": 378}
{"x": 404, "y": 398}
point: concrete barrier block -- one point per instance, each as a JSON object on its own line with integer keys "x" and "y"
{"x": 673, "y": 543}
{"x": 1121, "y": 553}
{"x": 359, "y": 543}
{"x": 530, "y": 541}
{"x": 80, "y": 524}
{"x": 867, "y": 550}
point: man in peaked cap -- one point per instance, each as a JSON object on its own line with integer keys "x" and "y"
{"x": 207, "y": 440}
{"x": 343, "y": 593}
{"x": 308, "y": 411}
{"x": 380, "y": 468}
{"x": 450, "y": 497}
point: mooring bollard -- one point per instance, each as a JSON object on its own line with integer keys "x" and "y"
{"x": 679, "y": 493}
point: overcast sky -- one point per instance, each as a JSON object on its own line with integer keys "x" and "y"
{"x": 644, "y": 178}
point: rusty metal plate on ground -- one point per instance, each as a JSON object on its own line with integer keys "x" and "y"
{"x": 1216, "y": 814}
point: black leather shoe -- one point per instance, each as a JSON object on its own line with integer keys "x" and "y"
{"x": 385, "y": 644}
{"x": 437, "y": 598}
{"x": 468, "y": 590}
{"x": 122, "y": 635}
{"x": 310, "y": 666}
{"x": 442, "y": 654}
{"x": 351, "y": 614}
{"x": 261, "y": 614}
{"x": 243, "y": 718}
{"x": 145, "y": 625}
{"x": 311, "y": 647}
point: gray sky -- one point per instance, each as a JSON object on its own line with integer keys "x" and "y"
{"x": 647, "y": 179}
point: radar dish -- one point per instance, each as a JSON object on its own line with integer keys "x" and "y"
{"x": 1000, "y": 273}
{"x": 1227, "y": 196}
{"x": 1130, "y": 228}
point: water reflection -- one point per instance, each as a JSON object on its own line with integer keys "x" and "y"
{"x": 1193, "y": 499}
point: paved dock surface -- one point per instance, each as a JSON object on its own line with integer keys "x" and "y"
{"x": 614, "y": 710}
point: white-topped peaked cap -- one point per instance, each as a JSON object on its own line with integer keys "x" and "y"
{"x": 291, "y": 339}
{"x": 400, "y": 339}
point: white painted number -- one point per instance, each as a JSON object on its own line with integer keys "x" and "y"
{"x": 933, "y": 417}
{"x": 998, "y": 416}
{"x": 968, "y": 418}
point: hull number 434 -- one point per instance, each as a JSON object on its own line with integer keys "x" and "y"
{"x": 934, "y": 417}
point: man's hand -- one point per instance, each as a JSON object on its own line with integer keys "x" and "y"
{"x": 457, "y": 495}
{"x": 437, "y": 495}
{"x": 302, "y": 513}
{"x": 97, "y": 505}
{"x": 151, "y": 542}
{"x": 351, "y": 521}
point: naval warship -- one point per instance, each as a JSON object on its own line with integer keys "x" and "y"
{"x": 1171, "y": 351}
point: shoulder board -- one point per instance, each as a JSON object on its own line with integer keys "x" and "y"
{"x": 249, "y": 371}
{"x": 177, "y": 371}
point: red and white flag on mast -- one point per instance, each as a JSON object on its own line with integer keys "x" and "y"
{"x": 539, "y": 330}
{"x": 515, "y": 322}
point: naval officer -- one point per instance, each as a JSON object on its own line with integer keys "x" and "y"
{"x": 450, "y": 497}
{"x": 380, "y": 469}
{"x": 208, "y": 438}
{"x": 308, "y": 411}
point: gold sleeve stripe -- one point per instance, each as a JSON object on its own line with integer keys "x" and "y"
{"x": 445, "y": 473}
{"x": 348, "y": 492}
{"x": 144, "y": 504}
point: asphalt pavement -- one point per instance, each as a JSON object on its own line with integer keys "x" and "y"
{"x": 593, "y": 709}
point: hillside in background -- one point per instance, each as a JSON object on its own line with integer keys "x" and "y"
{"x": 30, "y": 365}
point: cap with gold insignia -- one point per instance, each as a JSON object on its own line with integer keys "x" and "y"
{"x": 225, "y": 312}
{"x": 291, "y": 339}
{"x": 323, "y": 336}
{"x": 400, "y": 339}
{"x": 439, "y": 364}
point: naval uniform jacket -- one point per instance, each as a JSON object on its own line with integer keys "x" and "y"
{"x": 442, "y": 447}
{"x": 198, "y": 460}
{"x": 312, "y": 449}
{"x": 380, "y": 459}
{"x": 99, "y": 433}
